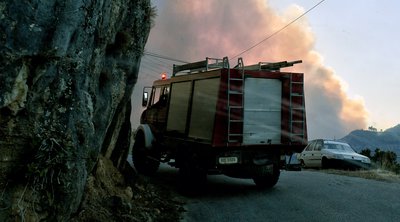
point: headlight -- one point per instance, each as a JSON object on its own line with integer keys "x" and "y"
{"x": 366, "y": 160}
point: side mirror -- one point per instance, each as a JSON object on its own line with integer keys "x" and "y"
{"x": 145, "y": 99}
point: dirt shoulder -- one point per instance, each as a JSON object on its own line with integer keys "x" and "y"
{"x": 108, "y": 197}
{"x": 376, "y": 174}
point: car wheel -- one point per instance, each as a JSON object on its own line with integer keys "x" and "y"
{"x": 143, "y": 159}
{"x": 303, "y": 165}
{"x": 325, "y": 163}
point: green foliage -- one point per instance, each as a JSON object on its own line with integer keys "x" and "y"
{"x": 152, "y": 13}
{"x": 366, "y": 152}
{"x": 383, "y": 159}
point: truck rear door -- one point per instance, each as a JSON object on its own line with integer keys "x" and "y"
{"x": 262, "y": 111}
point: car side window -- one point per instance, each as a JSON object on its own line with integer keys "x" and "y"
{"x": 330, "y": 146}
{"x": 318, "y": 146}
{"x": 310, "y": 146}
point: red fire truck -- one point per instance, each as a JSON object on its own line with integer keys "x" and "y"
{"x": 209, "y": 118}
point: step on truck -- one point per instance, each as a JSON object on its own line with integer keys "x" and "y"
{"x": 209, "y": 118}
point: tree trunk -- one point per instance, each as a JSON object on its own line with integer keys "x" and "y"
{"x": 67, "y": 71}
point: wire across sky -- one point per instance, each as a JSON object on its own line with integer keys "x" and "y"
{"x": 249, "y": 48}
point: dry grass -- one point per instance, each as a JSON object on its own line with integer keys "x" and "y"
{"x": 375, "y": 174}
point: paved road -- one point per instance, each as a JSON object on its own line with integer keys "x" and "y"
{"x": 298, "y": 196}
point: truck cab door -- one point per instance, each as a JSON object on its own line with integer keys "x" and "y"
{"x": 156, "y": 112}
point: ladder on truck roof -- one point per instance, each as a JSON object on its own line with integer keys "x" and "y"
{"x": 235, "y": 106}
{"x": 271, "y": 66}
{"x": 202, "y": 66}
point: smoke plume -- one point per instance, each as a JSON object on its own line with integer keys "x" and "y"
{"x": 193, "y": 30}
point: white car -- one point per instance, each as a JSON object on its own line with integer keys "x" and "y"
{"x": 329, "y": 153}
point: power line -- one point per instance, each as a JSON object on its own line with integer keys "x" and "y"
{"x": 155, "y": 62}
{"x": 278, "y": 31}
{"x": 161, "y": 62}
{"x": 155, "y": 65}
{"x": 164, "y": 57}
{"x": 152, "y": 54}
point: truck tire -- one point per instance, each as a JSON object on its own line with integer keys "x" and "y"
{"x": 268, "y": 180}
{"x": 145, "y": 161}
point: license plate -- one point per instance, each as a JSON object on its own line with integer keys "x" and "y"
{"x": 228, "y": 160}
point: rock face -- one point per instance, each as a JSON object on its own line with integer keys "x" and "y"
{"x": 67, "y": 70}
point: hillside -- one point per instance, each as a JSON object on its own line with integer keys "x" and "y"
{"x": 386, "y": 140}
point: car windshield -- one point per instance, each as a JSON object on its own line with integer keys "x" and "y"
{"x": 339, "y": 147}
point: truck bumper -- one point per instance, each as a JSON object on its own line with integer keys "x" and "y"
{"x": 247, "y": 172}
{"x": 247, "y": 164}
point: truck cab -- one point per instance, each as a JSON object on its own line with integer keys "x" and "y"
{"x": 209, "y": 118}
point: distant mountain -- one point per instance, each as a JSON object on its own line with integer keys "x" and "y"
{"x": 372, "y": 139}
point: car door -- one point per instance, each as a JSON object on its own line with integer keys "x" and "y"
{"x": 316, "y": 155}
{"x": 306, "y": 154}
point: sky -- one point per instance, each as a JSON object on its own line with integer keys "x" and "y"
{"x": 349, "y": 52}
{"x": 359, "y": 40}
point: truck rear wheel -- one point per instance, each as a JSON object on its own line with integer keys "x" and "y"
{"x": 143, "y": 159}
{"x": 268, "y": 180}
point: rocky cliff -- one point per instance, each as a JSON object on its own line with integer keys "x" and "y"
{"x": 67, "y": 70}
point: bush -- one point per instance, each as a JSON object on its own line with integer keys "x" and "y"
{"x": 383, "y": 159}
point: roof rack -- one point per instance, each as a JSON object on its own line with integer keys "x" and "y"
{"x": 202, "y": 66}
{"x": 271, "y": 66}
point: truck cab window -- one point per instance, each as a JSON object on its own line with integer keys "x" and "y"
{"x": 160, "y": 96}
{"x": 164, "y": 96}
{"x": 155, "y": 95}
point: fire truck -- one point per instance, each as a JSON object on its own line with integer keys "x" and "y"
{"x": 210, "y": 118}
